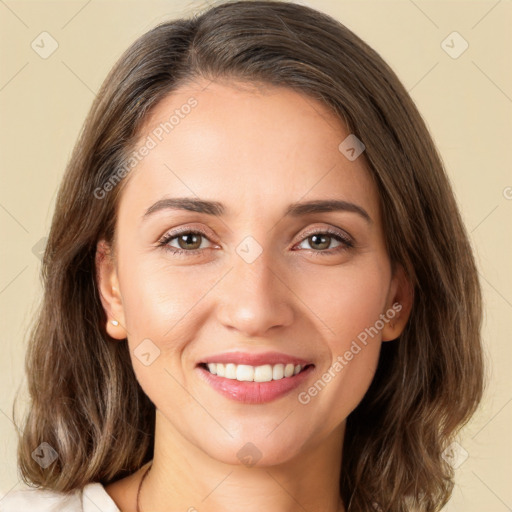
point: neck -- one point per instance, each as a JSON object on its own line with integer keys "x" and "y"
{"x": 184, "y": 477}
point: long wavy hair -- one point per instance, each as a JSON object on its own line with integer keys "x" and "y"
{"x": 428, "y": 383}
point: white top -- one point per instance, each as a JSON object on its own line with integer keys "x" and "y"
{"x": 91, "y": 498}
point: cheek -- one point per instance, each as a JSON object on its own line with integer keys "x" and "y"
{"x": 347, "y": 299}
{"x": 157, "y": 298}
{"x": 348, "y": 305}
{"x": 159, "y": 305}
{"x": 164, "y": 308}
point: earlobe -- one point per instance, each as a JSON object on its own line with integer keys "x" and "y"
{"x": 399, "y": 305}
{"x": 108, "y": 286}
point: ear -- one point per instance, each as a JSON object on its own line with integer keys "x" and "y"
{"x": 108, "y": 286}
{"x": 398, "y": 306}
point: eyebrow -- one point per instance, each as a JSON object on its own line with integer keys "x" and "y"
{"x": 218, "y": 209}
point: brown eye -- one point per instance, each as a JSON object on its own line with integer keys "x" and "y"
{"x": 320, "y": 242}
{"x": 189, "y": 242}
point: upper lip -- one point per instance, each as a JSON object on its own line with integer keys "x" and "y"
{"x": 253, "y": 359}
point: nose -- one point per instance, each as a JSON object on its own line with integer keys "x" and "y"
{"x": 254, "y": 297}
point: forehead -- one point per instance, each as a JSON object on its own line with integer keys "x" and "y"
{"x": 250, "y": 147}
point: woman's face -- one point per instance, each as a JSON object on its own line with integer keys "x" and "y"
{"x": 258, "y": 280}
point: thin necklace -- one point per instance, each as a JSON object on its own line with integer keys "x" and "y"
{"x": 140, "y": 485}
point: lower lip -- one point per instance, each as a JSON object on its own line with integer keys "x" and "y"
{"x": 254, "y": 392}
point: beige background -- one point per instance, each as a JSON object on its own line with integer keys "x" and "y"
{"x": 466, "y": 102}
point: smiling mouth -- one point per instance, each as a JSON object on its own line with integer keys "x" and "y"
{"x": 248, "y": 373}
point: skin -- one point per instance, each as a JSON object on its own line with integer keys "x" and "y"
{"x": 255, "y": 149}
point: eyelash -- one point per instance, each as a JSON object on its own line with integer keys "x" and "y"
{"x": 346, "y": 242}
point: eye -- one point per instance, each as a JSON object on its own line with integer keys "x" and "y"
{"x": 321, "y": 239}
{"x": 189, "y": 242}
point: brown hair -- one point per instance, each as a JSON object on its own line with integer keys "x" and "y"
{"x": 428, "y": 383}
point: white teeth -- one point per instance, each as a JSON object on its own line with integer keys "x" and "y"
{"x": 244, "y": 372}
{"x": 247, "y": 373}
{"x": 288, "y": 370}
{"x": 278, "y": 371}
{"x": 230, "y": 371}
{"x": 263, "y": 373}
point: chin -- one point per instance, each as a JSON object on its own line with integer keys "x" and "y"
{"x": 252, "y": 453}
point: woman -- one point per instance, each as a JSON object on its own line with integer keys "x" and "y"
{"x": 259, "y": 293}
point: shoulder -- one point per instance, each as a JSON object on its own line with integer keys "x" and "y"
{"x": 91, "y": 498}
{"x": 40, "y": 501}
